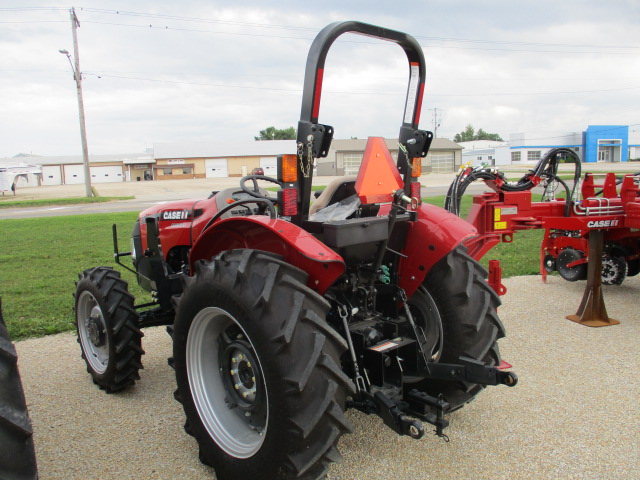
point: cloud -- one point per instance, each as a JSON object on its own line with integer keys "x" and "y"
{"x": 208, "y": 71}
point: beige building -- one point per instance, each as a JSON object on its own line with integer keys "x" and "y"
{"x": 345, "y": 156}
{"x": 218, "y": 159}
{"x": 173, "y": 161}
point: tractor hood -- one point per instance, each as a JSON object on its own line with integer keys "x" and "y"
{"x": 178, "y": 210}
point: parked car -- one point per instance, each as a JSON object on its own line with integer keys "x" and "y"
{"x": 257, "y": 171}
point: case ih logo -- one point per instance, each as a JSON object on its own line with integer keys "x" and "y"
{"x": 176, "y": 215}
{"x": 602, "y": 223}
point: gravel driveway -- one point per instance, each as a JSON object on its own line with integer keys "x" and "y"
{"x": 574, "y": 414}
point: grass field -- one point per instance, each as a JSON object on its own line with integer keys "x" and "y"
{"x": 41, "y": 258}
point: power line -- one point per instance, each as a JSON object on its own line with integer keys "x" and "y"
{"x": 180, "y": 29}
{"x": 247, "y": 34}
{"x": 198, "y": 20}
{"x": 30, "y": 9}
{"x": 226, "y": 85}
{"x": 309, "y": 29}
{"x": 506, "y": 43}
{"x": 33, "y": 21}
{"x": 484, "y": 94}
{"x": 568, "y": 92}
{"x": 286, "y": 37}
{"x": 509, "y": 42}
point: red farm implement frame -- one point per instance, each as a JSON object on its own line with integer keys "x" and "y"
{"x": 596, "y": 238}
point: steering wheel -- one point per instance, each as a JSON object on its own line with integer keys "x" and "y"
{"x": 255, "y": 192}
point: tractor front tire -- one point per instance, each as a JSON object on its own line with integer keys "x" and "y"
{"x": 108, "y": 330}
{"x": 258, "y": 369}
{"x": 17, "y": 454}
{"x": 467, "y": 309}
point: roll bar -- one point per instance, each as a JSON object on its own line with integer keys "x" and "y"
{"x": 318, "y": 53}
{"x": 314, "y": 140}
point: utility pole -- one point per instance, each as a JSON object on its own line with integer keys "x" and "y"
{"x": 77, "y": 75}
{"x": 436, "y": 121}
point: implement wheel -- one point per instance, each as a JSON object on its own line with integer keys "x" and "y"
{"x": 633, "y": 267}
{"x": 614, "y": 269}
{"x": 258, "y": 369}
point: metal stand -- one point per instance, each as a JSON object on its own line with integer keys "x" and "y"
{"x": 592, "y": 311}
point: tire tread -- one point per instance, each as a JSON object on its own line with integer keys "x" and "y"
{"x": 303, "y": 346}
{"x": 122, "y": 318}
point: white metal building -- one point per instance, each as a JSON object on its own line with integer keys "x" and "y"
{"x": 69, "y": 170}
{"x": 598, "y": 143}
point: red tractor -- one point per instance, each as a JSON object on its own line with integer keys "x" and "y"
{"x": 284, "y": 314}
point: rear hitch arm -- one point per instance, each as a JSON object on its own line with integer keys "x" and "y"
{"x": 423, "y": 406}
{"x": 472, "y": 371}
{"x": 390, "y": 413}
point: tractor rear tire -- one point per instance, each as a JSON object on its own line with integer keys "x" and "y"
{"x": 108, "y": 328}
{"x": 17, "y": 454}
{"x": 467, "y": 308}
{"x": 258, "y": 369}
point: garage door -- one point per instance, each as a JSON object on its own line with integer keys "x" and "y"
{"x": 351, "y": 162}
{"x": 270, "y": 166}
{"x": 106, "y": 174}
{"x": 73, "y": 174}
{"x": 51, "y": 175}
{"x": 216, "y": 168}
{"x": 442, "y": 162}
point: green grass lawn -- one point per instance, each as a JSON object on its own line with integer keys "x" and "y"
{"x": 520, "y": 257}
{"x": 41, "y": 259}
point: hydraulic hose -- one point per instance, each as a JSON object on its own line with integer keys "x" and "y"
{"x": 547, "y": 168}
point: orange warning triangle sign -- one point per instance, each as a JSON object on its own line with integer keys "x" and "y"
{"x": 379, "y": 177}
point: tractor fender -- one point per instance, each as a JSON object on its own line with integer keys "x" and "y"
{"x": 298, "y": 247}
{"x": 430, "y": 238}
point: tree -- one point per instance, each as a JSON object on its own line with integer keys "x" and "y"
{"x": 469, "y": 134}
{"x": 273, "y": 133}
{"x": 482, "y": 135}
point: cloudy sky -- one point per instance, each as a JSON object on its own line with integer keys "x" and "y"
{"x": 206, "y": 71}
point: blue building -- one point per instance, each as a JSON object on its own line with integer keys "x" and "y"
{"x": 605, "y": 143}
{"x": 598, "y": 143}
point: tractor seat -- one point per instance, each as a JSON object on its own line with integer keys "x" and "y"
{"x": 338, "y": 189}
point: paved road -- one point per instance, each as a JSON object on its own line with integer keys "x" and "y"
{"x": 154, "y": 192}
{"x": 80, "y": 209}
{"x": 161, "y": 194}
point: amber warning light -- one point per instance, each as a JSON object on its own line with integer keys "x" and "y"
{"x": 289, "y": 168}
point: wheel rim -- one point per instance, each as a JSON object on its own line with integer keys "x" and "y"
{"x": 92, "y": 332}
{"x": 230, "y": 396}
{"x": 612, "y": 269}
{"x": 428, "y": 320}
